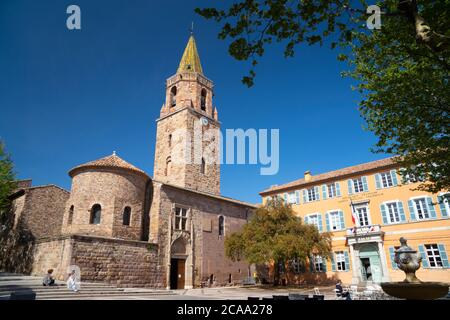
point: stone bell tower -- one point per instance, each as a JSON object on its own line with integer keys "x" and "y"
{"x": 187, "y": 136}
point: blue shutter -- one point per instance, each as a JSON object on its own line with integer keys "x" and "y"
{"x": 412, "y": 212}
{"x": 394, "y": 177}
{"x": 324, "y": 263}
{"x": 285, "y": 198}
{"x": 378, "y": 181}
{"x": 333, "y": 264}
{"x": 443, "y": 255}
{"x": 423, "y": 254}
{"x": 306, "y": 219}
{"x": 392, "y": 256}
{"x": 311, "y": 264}
{"x": 327, "y": 222}
{"x": 401, "y": 211}
{"x": 338, "y": 189}
{"x": 316, "y": 191}
{"x": 319, "y": 220}
{"x": 350, "y": 186}
{"x": 297, "y": 197}
{"x": 444, "y": 212}
{"x": 305, "y": 198}
{"x": 324, "y": 191}
{"x": 341, "y": 214}
{"x": 347, "y": 261}
{"x": 431, "y": 207}
{"x": 365, "y": 186}
{"x": 384, "y": 213}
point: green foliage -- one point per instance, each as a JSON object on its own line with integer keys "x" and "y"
{"x": 406, "y": 98}
{"x": 7, "y": 178}
{"x": 402, "y": 70}
{"x": 276, "y": 234}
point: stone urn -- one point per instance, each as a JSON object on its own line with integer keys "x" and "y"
{"x": 412, "y": 288}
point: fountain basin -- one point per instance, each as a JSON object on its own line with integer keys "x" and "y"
{"x": 415, "y": 290}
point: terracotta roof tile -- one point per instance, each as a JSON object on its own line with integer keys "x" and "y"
{"x": 112, "y": 161}
{"x": 353, "y": 170}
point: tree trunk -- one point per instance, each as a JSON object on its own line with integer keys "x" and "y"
{"x": 424, "y": 33}
{"x": 276, "y": 273}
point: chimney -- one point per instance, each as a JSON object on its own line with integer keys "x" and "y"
{"x": 308, "y": 176}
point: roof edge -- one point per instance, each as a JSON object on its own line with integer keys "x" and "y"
{"x": 210, "y": 195}
{"x": 285, "y": 187}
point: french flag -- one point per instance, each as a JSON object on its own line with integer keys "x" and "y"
{"x": 353, "y": 213}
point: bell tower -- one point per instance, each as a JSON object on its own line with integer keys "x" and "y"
{"x": 187, "y": 136}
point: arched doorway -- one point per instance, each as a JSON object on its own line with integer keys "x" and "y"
{"x": 370, "y": 263}
{"x": 179, "y": 255}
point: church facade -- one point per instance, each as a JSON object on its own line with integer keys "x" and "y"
{"x": 120, "y": 226}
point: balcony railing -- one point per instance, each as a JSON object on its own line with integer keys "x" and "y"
{"x": 365, "y": 230}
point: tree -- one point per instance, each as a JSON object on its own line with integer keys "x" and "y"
{"x": 7, "y": 180}
{"x": 276, "y": 235}
{"x": 402, "y": 70}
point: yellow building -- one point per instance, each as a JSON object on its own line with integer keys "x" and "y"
{"x": 385, "y": 208}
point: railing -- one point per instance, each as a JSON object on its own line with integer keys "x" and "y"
{"x": 365, "y": 230}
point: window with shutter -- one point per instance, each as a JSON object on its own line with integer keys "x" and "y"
{"x": 358, "y": 185}
{"x": 433, "y": 255}
{"x": 340, "y": 261}
{"x": 334, "y": 220}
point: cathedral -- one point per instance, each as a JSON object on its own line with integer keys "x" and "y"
{"x": 120, "y": 226}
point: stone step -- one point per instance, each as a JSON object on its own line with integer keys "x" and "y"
{"x": 51, "y": 289}
{"x": 39, "y": 281}
{"x": 82, "y": 294}
{"x": 55, "y": 291}
{"x": 134, "y": 296}
{"x": 87, "y": 294}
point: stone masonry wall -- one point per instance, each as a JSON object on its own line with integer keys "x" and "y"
{"x": 113, "y": 190}
{"x": 124, "y": 263}
{"x": 186, "y": 173}
{"x": 209, "y": 253}
{"x": 52, "y": 253}
{"x": 42, "y": 211}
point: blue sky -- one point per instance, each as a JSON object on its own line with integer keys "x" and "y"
{"x": 68, "y": 97}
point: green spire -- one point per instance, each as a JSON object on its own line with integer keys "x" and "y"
{"x": 190, "y": 62}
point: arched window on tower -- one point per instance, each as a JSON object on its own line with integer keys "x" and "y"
{"x": 173, "y": 98}
{"x": 168, "y": 166}
{"x": 221, "y": 225}
{"x": 203, "y": 100}
{"x": 70, "y": 219}
{"x": 126, "y": 216}
{"x": 203, "y": 166}
{"x": 96, "y": 213}
{"x": 170, "y": 140}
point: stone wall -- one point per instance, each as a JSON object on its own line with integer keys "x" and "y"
{"x": 52, "y": 253}
{"x": 124, "y": 263}
{"x": 208, "y": 247}
{"x": 113, "y": 190}
{"x": 42, "y": 211}
{"x": 175, "y": 139}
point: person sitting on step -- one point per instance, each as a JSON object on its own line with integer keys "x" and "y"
{"x": 48, "y": 279}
